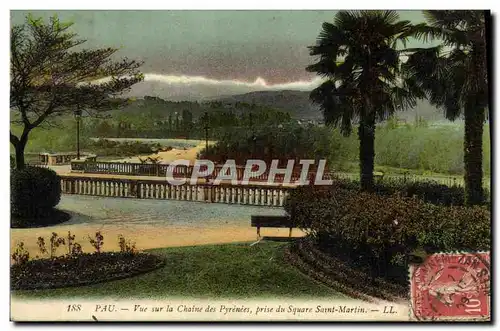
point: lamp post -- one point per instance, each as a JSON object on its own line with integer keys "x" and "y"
{"x": 254, "y": 141}
{"x": 206, "y": 132}
{"x": 78, "y": 115}
{"x": 254, "y": 137}
{"x": 176, "y": 125}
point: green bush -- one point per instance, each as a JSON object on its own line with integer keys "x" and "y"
{"x": 383, "y": 231}
{"x": 433, "y": 192}
{"x": 106, "y": 147}
{"x": 34, "y": 191}
{"x": 457, "y": 228}
{"x": 428, "y": 191}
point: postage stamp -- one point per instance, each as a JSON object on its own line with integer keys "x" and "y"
{"x": 451, "y": 286}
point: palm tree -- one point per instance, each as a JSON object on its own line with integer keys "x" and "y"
{"x": 454, "y": 77}
{"x": 358, "y": 57}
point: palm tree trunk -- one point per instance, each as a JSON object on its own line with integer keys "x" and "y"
{"x": 366, "y": 133}
{"x": 473, "y": 155}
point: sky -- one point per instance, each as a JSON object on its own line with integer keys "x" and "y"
{"x": 224, "y": 51}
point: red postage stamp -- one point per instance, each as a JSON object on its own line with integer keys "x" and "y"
{"x": 451, "y": 286}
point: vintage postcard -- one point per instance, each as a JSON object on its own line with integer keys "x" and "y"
{"x": 320, "y": 165}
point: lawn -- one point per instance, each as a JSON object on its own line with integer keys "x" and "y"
{"x": 211, "y": 271}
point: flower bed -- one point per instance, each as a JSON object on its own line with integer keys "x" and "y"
{"x": 78, "y": 270}
{"x": 340, "y": 275}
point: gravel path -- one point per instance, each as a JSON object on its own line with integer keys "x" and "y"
{"x": 103, "y": 210}
{"x": 151, "y": 223}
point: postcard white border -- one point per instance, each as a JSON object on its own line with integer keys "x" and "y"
{"x": 197, "y": 4}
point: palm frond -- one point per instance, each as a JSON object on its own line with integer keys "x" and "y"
{"x": 336, "y": 104}
{"x": 453, "y": 19}
{"x": 359, "y": 55}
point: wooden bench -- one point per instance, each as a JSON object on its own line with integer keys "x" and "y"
{"x": 259, "y": 221}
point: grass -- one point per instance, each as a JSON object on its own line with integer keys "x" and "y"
{"x": 425, "y": 150}
{"x": 211, "y": 271}
{"x": 416, "y": 175}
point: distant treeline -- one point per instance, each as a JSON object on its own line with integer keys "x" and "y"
{"x": 284, "y": 142}
{"x": 270, "y": 134}
{"x": 436, "y": 149}
{"x": 162, "y": 119}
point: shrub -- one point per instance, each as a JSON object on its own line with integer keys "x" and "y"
{"x": 76, "y": 249}
{"x": 97, "y": 242}
{"x": 457, "y": 228}
{"x": 126, "y": 246}
{"x": 20, "y": 255}
{"x": 41, "y": 245}
{"x": 435, "y": 193}
{"x": 35, "y": 191}
{"x": 55, "y": 242}
{"x": 71, "y": 242}
{"x": 383, "y": 230}
{"x": 105, "y": 147}
{"x": 428, "y": 191}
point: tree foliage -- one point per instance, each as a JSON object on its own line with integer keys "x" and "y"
{"x": 358, "y": 56}
{"x": 454, "y": 77}
{"x": 51, "y": 74}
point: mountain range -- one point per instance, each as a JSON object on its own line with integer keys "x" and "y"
{"x": 299, "y": 104}
{"x": 296, "y": 101}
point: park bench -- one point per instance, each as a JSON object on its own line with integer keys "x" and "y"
{"x": 260, "y": 221}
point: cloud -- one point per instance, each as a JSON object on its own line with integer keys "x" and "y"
{"x": 259, "y": 83}
{"x": 184, "y": 87}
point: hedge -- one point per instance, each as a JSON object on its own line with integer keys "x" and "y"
{"x": 385, "y": 230}
{"x": 428, "y": 191}
{"x": 34, "y": 191}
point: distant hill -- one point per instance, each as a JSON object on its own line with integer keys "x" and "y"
{"x": 296, "y": 102}
{"x": 160, "y": 109}
{"x": 299, "y": 105}
{"x": 293, "y": 100}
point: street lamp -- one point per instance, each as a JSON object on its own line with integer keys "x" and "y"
{"x": 206, "y": 132}
{"x": 78, "y": 115}
{"x": 254, "y": 141}
{"x": 254, "y": 137}
{"x": 176, "y": 123}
